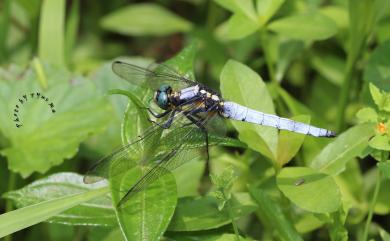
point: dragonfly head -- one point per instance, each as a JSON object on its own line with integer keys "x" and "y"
{"x": 161, "y": 96}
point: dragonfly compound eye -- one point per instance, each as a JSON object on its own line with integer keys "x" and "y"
{"x": 162, "y": 96}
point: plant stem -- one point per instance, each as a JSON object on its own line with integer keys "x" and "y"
{"x": 8, "y": 204}
{"x": 235, "y": 228}
{"x": 374, "y": 198}
{"x": 4, "y": 26}
{"x": 345, "y": 93}
{"x": 267, "y": 55}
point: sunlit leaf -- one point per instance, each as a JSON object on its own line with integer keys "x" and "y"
{"x": 313, "y": 26}
{"x": 351, "y": 143}
{"x": 309, "y": 189}
{"x": 135, "y": 20}
{"x": 242, "y": 85}
{"x": 40, "y": 143}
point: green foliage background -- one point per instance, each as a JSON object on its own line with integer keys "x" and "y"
{"x": 326, "y": 63}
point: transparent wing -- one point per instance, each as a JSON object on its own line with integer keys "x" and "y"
{"x": 138, "y": 151}
{"x": 180, "y": 144}
{"x": 152, "y": 77}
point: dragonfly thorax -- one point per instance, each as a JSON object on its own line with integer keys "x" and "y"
{"x": 161, "y": 96}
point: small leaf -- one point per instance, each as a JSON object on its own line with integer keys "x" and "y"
{"x": 367, "y": 114}
{"x": 380, "y": 142}
{"x": 237, "y": 27}
{"x": 313, "y": 26}
{"x": 319, "y": 193}
{"x": 147, "y": 213}
{"x": 290, "y": 142}
{"x": 145, "y": 19}
{"x": 267, "y": 8}
{"x": 335, "y": 155}
{"x": 242, "y": 7}
{"x": 98, "y": 211}
{"x": 381, "y": 99}
{"x": 201, "y": 213}
{"x": 242, "y": 85}
{"x": 384, "y": 167}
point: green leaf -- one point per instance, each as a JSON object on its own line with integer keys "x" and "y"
{"x": 338, "y": 14}
{"x": 242, "y": 7}
{"x": 367, "y": 114}
{"x": 147, "y": 213}
{"x": 384, "y": 167}
{"x": 237, "y": 27}
{"x": 290, "y": 142}
{"x": 267, "y": 8}
{"x": 381, "y": 99}
{"x": 377, "y": 70}
{"x": 332, "y": 159}
{"x": 98, "y": 211}
{"x": 51, "y": 32}
{"x": 313, "y": 26}
{"x": 317, "y": 192}
{"x": 380, "y": 142}
{"x": 39, "y": 144}
{"x": 25, "y": 217}
{"x": 337, "y": 229}
{"x": 242, "y": 85}
{"x": 273, "y": 214}
{"x": 144, "y": 19}
{"x": 201, "y": 213}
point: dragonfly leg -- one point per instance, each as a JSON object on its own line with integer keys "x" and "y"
{"x": 197, "y": 121}
{"x": 158, "y": 115}
{"x": 168, "y": 123}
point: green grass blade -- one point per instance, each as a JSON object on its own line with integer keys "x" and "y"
{"x": 51, "y": 32}
{"x": 24, "y": 217}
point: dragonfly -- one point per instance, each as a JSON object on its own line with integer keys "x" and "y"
{"x": 185, "y": 107}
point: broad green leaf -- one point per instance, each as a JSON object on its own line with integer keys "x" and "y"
{"x": 267, "y": 8}
{"x": 377, "y": 70}
{"x": 25, "y": 217}
{"x": 205, "y": 237}
{"x": 242, "y": 85}
{"x": 51, "y": 32}
{"x": 381, "y": 99}
{"x": 332, "y": 159}
{"x": 39, "y": 144}
{"x": 144, "y": 19}
{"x": 31, "y": 6}
{"x": 288, "y": 50}
{"x": 384, "y": 167}
{"x": 146, "y": 214}
{"x": 273, "y": 214}
{"x": 367, "y": 114}
{"x": 313, "y": 26}
{"x": 201, "y": 213}
{"x": 384, "y": 235}
{"x": 311, "y": 190}
{"x": 380, "y": 142}
{"x": 242, "y": 7}
{"x": 290, "y": 142}
{"x": 98, "y": 211}
{"x": 237, "y": 27}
